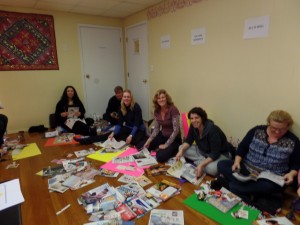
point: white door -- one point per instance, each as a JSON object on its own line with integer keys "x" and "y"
{"x": 102, "y": 65}
{"x": 137, "y": 65}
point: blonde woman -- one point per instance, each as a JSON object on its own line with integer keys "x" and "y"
{"x": 270, "y": 147}
{"x": 130, "y": 127}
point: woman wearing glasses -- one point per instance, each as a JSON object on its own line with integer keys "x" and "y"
{"x": 270, "y": 147}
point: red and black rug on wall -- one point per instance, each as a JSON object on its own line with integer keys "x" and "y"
{"x": 27, "y": 42}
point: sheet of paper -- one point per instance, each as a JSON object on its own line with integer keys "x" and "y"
{"x": 29, "y": 151}
{"x": 10, "y": 194}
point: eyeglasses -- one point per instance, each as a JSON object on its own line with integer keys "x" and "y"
{"x": 279, "y": 130}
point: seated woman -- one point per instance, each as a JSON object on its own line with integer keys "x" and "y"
{"x": 211, "y": 143}
{"x": 70, "y": 106}
{"x": 3, "y": 126}
{"x": 270, "y": 147}
{"x": 166, "y": 133}
{"x": 130, "y": 127}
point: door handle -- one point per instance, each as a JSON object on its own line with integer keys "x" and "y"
{"x": 145, "y": 81}
{"x": 87, "y": 76}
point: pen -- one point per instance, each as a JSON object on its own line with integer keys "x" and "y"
{"x": 63, "y": 209}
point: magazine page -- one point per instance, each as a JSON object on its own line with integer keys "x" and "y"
{"x": 72, "y": 111}
{"x": 143, "y": 180}
{"x": 139, "y": 207}
{"x": 113, "y": 143}
{"x": 156, "y": 170}
{"x": 82, "y": 153}
{"x": 274, "y": 220}
{"x": 126, "y": 213}
{"x": 164, "y": 190}
{"x": 143, "y": 158}
{"x": 272, "y": 177}
{"x": 189, "y": 173}
{"x": 166, "y": 217}
{"x": 176, "y": 170}
{"x": 225, "y": 202}
{"x": 125, "y": 178}
{"x": 123, "y": 159}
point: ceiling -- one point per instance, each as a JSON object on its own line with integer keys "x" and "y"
{"x": 107, "y": 8}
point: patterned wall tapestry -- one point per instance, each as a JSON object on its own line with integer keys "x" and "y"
{"x": 27, "y": 42}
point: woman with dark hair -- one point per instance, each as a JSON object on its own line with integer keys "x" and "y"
{"x": 166, "y": 136}
{"x": 211, "y": 143}
{"x": 3, "y": 126}
{"x": 130, "y": 127}
{"x": 70, "y": 107}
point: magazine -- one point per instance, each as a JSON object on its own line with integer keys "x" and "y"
{"x": 274, "y": 220}
{"x": 151, "y": 200}
{"x": 96, "y": 194}
{"x": 125, "y": 178}
{"x": 156, "y": 170}
{"x": 143, "y": 180}
{"x": 125, "y": 212}
{"x": 130, "y": 191}
{"x": 185, "y": 170}
{"x": 82, "y": 153}
{"x": 107, "y": 173}
{"x": 143, "y": 158}
{"x": 112, "y": 143}
{"x": 263, "y": 175}
{"x": 166, "y": 217}
{"x": 164, "y": 190}
{"x": 58, "y": 187}
{"x": 139, "y": 207}
{"x": 72, "y": 111}
{"x": 225, "y": 202}
{"x": 124, "y": 159}
{"x": 71, "y": 121}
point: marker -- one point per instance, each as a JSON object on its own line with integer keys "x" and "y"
{"x": 63, "y": 209}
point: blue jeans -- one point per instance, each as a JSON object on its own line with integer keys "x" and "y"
{"x": 246, "y": 190}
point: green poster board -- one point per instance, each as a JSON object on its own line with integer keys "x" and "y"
{"x": 218, "y": 216}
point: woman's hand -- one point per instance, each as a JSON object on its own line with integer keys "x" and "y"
{"x": 146, "y": 145}
{"x": 64, "y": 114}
{"x": 163, "y": 146}
{"x": 111, "y": 136}
{"x": 289, "y": 177}
{"x": 298, "y": 191}
{"x": 237, "y": 163}
{"x": 199, "y": 171}
{"x": 78, "y": 114}
{"x": 236, "y": 166}
{"x": 179, "y": 155}
{"x": 129, "y": 139}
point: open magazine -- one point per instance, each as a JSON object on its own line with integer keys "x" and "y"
{"x": 143, "y": 158}
{"x": 72, "y": 111}
{"x": 263, "y": 175}
{"x": 185, "y": 170}
{"x": 113, "y": 143}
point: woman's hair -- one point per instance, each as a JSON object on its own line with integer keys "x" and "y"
{"x": 118, "y": 88}
{"x": 156, "y": 96}
{"x": 123, "y": 107}
{"x": 64, "y": 97}
{"x": 280, "y": 116}
{"x": 200, "y": 112}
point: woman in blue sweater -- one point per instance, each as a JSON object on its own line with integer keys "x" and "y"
{"x": 270, "y": 147}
